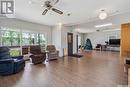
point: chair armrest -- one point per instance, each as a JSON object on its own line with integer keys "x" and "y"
{"x": 18, "y": 57}
{"x": 44, "y": 53}
{"x": 57, "y": 51}
{"x": 33, "y": 56}
{"x": 53, "y": 51}
{"x": 6, "y": 61}
{"x": 37, "y": 55}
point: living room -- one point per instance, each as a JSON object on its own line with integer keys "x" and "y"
{"x": 57, "y": 43}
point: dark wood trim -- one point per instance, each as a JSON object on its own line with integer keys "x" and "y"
{"x": 70, "y": 43}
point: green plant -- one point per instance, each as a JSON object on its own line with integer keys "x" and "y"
{"x": 14, "y": 52}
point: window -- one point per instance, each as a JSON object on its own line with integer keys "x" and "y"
{"x": 29, "y": 38}
{"x": 15, "y": 39}
{"x": 41, "y": 39}
{"x": 25, "y": 38}
{"x": 112, "y": 37}
{"x": 11, "y": 37}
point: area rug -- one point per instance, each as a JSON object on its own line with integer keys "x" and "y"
{"x": 77, "y": 55}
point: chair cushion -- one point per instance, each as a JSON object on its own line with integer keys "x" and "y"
{"x": 19, "y": 65}
{"x": 6, "y": 66}
{"x": 9, "y": 65}
{"x": 4, "y": 56}
{"x": 35, "y": 50}
{"x": 18, "y": 60}
{"x": 51, "y": 48}
{"x": 54, "y": 52}
{"x": 4, "y": 53}
{"x": 6, "y": 69}
{"x": 4, "y": 49}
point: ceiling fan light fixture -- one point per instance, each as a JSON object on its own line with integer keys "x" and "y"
{"x": 103, "y": 15}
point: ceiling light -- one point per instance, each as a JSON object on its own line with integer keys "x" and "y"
{"x": 60, "y": 24}
{"x": 30, "y": 2}
{"x": 103, "y": 15}
{"x": 111, "y": 30}
{"x": 77, "y": 30}
{"x": 103, "y": 25}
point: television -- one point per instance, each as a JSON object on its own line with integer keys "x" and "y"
{"x": 114, "y": 41}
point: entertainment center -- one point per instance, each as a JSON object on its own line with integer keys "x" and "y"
{"x": 114, "y": 45}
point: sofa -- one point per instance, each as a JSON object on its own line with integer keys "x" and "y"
{"x": 37, "y": 55}
{"x": 52, "y": 52}
{"x": 10, "y": 65}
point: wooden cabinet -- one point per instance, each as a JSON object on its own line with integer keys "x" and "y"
{"x": 125, "y": 39}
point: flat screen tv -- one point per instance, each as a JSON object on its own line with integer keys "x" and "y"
{"x": 114, "y": 41}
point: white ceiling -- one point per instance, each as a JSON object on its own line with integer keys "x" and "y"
{"x": 82, "y": 11}
{"x": 115, "y": 20}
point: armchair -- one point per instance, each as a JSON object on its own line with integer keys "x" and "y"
{"x": 36, "y": 55}
{"x": 52, "y": 52}
{"x": 9, "y": 65}
{"x": 98, "y": 47}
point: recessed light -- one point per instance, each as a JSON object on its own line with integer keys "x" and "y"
{"x": 103, "y": 25}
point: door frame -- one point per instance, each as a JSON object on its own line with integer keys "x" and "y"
{"x": 70, "y": 43}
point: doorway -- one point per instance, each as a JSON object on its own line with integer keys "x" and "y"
{"x": 70, "y": 44}
{"x": 78, "y": 40}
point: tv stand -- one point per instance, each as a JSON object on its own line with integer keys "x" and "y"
{"x": 115, "y": 48}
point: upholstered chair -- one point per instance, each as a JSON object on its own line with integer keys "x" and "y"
{"x": 36, "y": 55}
{"x": 52, "y": 52}
{"x": 10, "y": 65}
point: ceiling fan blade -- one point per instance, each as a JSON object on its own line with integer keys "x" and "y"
{"x": 57, "y": 11}
{"x": 53, "y": 2}
{"x": 45, "y": 11}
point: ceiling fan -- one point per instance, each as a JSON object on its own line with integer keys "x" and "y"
{"x": 49, "y": 6}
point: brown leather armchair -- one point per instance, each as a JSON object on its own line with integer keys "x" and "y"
{"x": 36, "y": 55}
{"x": 52, "y": 52}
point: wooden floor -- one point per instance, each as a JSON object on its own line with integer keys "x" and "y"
{"x": 95, "y": 69}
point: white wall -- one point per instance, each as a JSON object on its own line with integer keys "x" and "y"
{"x": 55, "y": 35}
{"x": 29, "y": 26}
{"x": 101, "y": 37}
{"x": 116, "y": 21}
{"x": 65, "y": 31}
{"x": 82, "y": 38}
{"x": 56, "y": 38}
{"x": 59, "y": 38}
